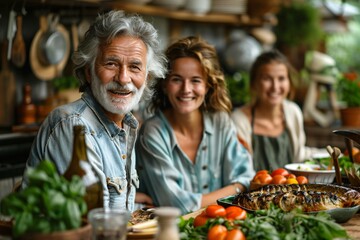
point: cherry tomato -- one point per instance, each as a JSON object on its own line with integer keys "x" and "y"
{"x": 235, "y": 213}
{"x": 214, "y": 211}
{"x": 261, "y": 172}
{"x": 291, "y": 181}
{"x": 278, "y": 179}
{"x": 235, "y": 234}
{"x": 356, "y": 157}
{"x": 217, "y": 232}
{"x": 200, "y": 219}
{"x": 290, "y": 175}
{"x": 354, "y": 151}
{"x": 302, "y": 179}
{"x": 279, "y": 171}
{"x": 264, "y": 178}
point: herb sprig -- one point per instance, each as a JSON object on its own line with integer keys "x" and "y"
{"x": 273, "y": 224}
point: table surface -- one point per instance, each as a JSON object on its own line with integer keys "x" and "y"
{"x": 352, "y": 226}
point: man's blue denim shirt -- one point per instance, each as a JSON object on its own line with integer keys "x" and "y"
{"x": 110, "y": 148}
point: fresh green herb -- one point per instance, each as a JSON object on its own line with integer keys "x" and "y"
{"x": 273, "y": 224}
{"x": 344, "y": 162}
{"x": 50, "y": 203}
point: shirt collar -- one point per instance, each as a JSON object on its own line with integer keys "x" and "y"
{"x": 208, "y": 126}
{"x": 108, "y": 124}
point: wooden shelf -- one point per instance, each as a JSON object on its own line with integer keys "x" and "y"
{"x": 184, "y": 15}
{"x": 241, "y": 20}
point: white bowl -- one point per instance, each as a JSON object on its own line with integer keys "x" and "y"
{"x": 311, "y": 172}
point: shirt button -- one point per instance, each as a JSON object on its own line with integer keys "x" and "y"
{"x": 123, "y": 156}
{"x": 204, "y": 148}
{"x": 204, "y": 167}
{"x": 205, "y": 186}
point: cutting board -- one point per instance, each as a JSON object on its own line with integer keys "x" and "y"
{"x": 7, "y": 90}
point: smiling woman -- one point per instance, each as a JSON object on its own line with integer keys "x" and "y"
{"x": 271, "y": 124}
{"x": 190, "y": 137}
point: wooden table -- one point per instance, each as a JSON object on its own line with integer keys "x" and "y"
{"x": 353, "y": 226}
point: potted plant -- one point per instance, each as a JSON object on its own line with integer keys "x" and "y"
{"x": 348, "y": 91}
{"x": 50, "y": 207}
{"x": 67, "y": 88}
{"x": 238, "y": 85}
{"x": 298, "y": 30}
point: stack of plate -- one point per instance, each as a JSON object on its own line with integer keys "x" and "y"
{"x": 138, "y": 2}
{"x": 170, "y": 4}
{"x": 229, "y": 6}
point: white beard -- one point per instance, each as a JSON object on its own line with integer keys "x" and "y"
{"x": 115, "y": 105}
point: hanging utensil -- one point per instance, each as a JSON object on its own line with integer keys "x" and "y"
{"x": 11, "y": 32}
{"x": 53, "y": 43}
{"x": 331, "y": 163}
{"x": 75, "y": 36}
{"x": 44, "y": 70}
{"x": 336, "y": 155}
{"x": 7, "y": 90}
{"x": 18, "y": 53}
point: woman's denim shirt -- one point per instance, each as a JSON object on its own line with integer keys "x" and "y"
{"x": 110, "y": 149}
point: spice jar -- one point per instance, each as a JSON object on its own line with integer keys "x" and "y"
{"x": 167, "y": 218}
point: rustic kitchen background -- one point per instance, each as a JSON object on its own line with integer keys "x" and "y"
{"x": 38, "y": 36}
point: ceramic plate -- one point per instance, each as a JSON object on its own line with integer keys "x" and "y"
{"x": 340, "y": 215}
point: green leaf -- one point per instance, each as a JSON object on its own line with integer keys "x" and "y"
{"x": 72, "y": 215}
{"x": 53, "y": 201}
{"x": 42, "y": 225}
{"x": 22, "y": 224}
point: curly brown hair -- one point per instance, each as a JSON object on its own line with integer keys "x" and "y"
{"x": 217, "y": 97}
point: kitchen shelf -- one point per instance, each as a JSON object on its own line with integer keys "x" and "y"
{"x": 184, "y": 15}
{"x": 181, "y": 15}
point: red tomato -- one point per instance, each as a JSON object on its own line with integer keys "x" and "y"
{"x": 200, "y": 219}
{"x": 354, "y": 151}
{"x": 290, "y": 175}
{"x": 214, "y": 211}
{"x": 235, "y": 213}
{"x": 264, "y": 178}
{"x": 217, "y": 232}
{"x": 261, "y": 172}
{"x": 279, "y": 171}
{"x": 235, "y": 234}
{"x": 278, "y": 179}
{"x": 302, "y": 179}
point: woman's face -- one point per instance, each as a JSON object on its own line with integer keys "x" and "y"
{"x": 186, "y": 85}
{"x": 272, "y": 83}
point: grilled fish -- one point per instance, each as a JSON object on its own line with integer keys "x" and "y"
{"x": 307, "y": 197}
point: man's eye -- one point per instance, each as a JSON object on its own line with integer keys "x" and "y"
{"x": 135, "y": 67}
{"x": 110, "y": 64}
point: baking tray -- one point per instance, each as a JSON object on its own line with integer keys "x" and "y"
{"x": 340, "y": 215}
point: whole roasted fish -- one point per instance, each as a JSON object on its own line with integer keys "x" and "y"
{"x": 307, "y": 197}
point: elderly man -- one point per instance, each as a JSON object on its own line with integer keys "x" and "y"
{"x": 115, "y": 64}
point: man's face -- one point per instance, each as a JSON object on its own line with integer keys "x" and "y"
{"x": 119, "y": 77}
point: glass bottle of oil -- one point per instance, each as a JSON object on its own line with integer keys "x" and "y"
{"x": 81, "y": 166}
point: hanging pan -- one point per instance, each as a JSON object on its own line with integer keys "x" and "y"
{"x": 50, "y": 48}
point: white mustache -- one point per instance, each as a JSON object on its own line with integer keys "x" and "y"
{"x": 115, "y": 86}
